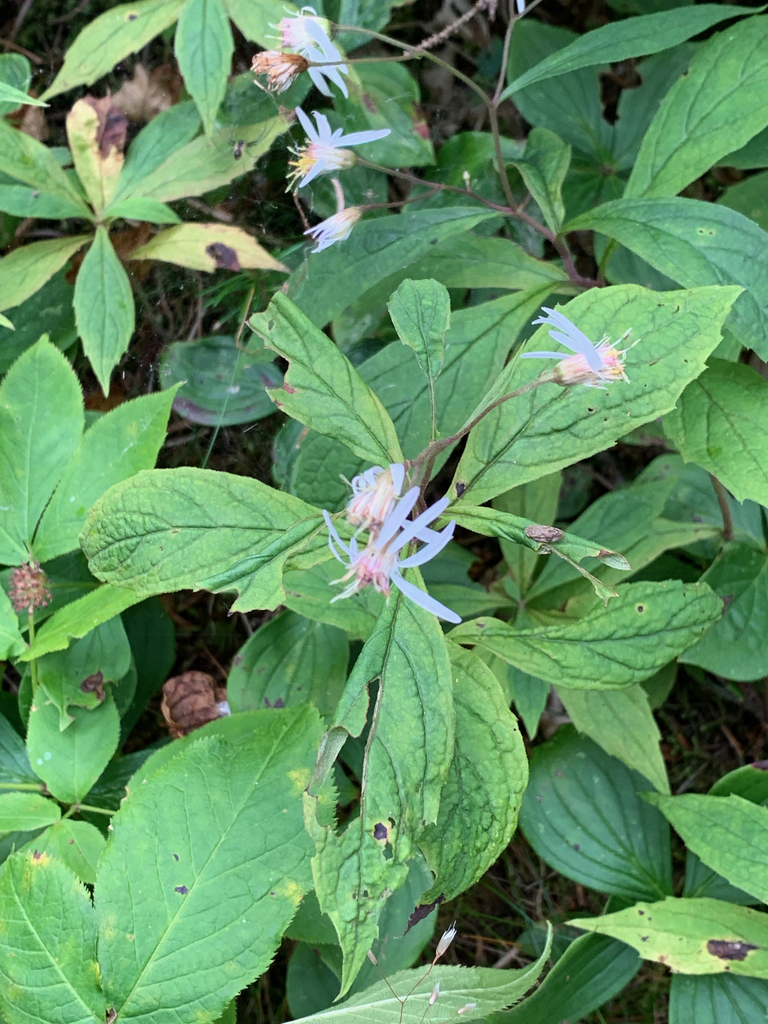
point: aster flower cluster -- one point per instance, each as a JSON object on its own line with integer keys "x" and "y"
{"x": 593, "y": 366}
{"x": 379, "y": 506}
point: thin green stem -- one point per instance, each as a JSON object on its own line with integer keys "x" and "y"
{"x": 30, "y": 787}
{"x": 91, "y": 810}
{"x": 33, "y": 661}
{"x": 725, "y": 508}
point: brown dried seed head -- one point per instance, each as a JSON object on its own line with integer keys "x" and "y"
{"x": 190, "y": 701}
{"x": 281, "y": 69}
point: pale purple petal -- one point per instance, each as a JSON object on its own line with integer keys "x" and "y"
{"x": 319, "y": 82}
{"x": 397, "y": 469}
{"x": 316, "y": 31}
{"x": 427, "y": 516}
{"x": 306, "y": 124}
{"x": 315, "y": 171}
{"x": 323, "y": 126}
{"x": 332, "y": 72}
{"x": 358, "y": 138}
{"x": 333, "y": 535}
{"x": 397, "y": 516}
{"x": 430, "y": 550}
{"x": 423, "y": 600}
{"x": 543, "y": 355}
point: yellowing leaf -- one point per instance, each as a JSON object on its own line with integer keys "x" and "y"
{"x": 208, "y": 247}
{"x": 96, "y": 134}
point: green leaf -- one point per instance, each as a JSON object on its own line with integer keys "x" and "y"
{"x": 117, "y": 446}
{"x": 152, "y": 637}
{"x": 638, "y": 633}
{"x": 748, "y": 197}
{"x": 717, "y": 423}
{"x": 620, "y": 40}
{"x": 208, "y": 247}
{"x": 592, "y": 970}
{"x": 23, "y": 812}
{"x": 110, "y": 38}
{"x": 691, "y": 936}
{"x": 221, "y": 384}
{"x": 482, "y": 792}
{"x": 15, "y": 74}
{"x": 25, "y": 270}
{"x": 544, "y": 168}
{"x": 421, "y": 314}
{"x": 735, "y": 646}
{"x": 475, "y": 991}
{"x": 25, "y": 201}
{"x": 76, "y": 843}
{"x": 622, "y": 722}
{"x": 257, "y": 21}
{"x": 215, "y": 814}
{"x": 144, "y": 208}
{"x": 329, "y": 281}
{"x": 714, "y": 109}
{"x": 14, "y": 762}
{"x": 290, "y": 660}
{"x": 308, "y": 592}
{"x": 25, "y": 159}
{"x": 48, "y": 945}
{"x": 198, "y": 529}
{"x": 548, "y": 428}
{"x": 69, "y": 762}
{"x": 204, "y": 48}
{"x": 407, "y": 758}
{"x": 528, "y": 693}
{"x": 103, "y": 307}
{"x": 717, "y": 999}
{"x": 696, "y": 244}
{"x": 66, "y": 675}
{"x": 322, "y": 389}
{"x": 78, "y": 618}
{"x": 583, "y": 814}
{"x": 749, "y": 157}
{"x": 51, "y": 305}
{"x": 156, "y": 142}
{"x": 41, "y": 420}
{"x": 11, "y": 641}
{"x": 728, "y": 833}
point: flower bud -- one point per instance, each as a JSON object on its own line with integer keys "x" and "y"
{"x": 445, "y": 940}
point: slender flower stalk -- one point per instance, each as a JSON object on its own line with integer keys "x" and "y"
{"x": 308, "y": 36}
{"x": 324, "y": 150}
{"x": 593, "y": 366}
{"x": 379, "y": 564}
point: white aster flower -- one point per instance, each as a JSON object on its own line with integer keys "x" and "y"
{"x": 324, "y": 150}
{"x": 334, "y": 229}
{"x": 379, "y": 563}
{"x": 374, "y": 495}
{"x": 591, "y": 366}
{"x": 295, "y": 30}
{"x": 307, "y": 34}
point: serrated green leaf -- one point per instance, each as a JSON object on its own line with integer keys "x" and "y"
{"x": 421, "y": 314}
{"x": 70, "y": 762}
{"x": 583, "y": 814}
{"x": 544, "y": 168}
{"x": 174, "y": 529}
{"x": 592, "y": 970}
{"x": 77, "y": 844}
{"x": 110, "y": 38}
{"x": 481, "y": 795}
{"x": 646, "y": 626}
{"x": 695, "y": 244}
{"x": 76, "y": 619}
{"x": 51, "y": 305}
{"x": 23, "y": 812}
{"x": 203, "y": 45}
{"x": 258, "y": 21}
{"x": 714, "y": 109}
{"x": 548, "y": 428}
{"x": 717, "y": 999}
{"x": 619, "y": 40}
{"x": 290, "y": 660}
{"x": 466, "y": 993}
{"x": 308, "y": 592}
{"x": 25, "y": 270}
{"x": 41, "y": 420}
{"x": 728, "y": 833}
{"x": 527, "y": 693}
{"x": 119, "y": 444}
{"x": 691, "y": 936}
{"x": 412, "y": 728}
{"x": 622, "y": 722}
{"x": 322, "y": 389}
{"x": 718, "y": 424}
{"x": 329, "y": 281}
{"x": 169, "y": 945}
{"x": 48, "y": 945}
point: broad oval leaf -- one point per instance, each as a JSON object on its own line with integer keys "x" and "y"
{"x": 77, "y": 844}
{"x": 23, "y": 812}
{"x": 717, "y": 999}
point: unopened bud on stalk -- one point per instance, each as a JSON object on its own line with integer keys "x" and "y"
{"x": 445, "y": 940}
{"x": 435, "y": 994}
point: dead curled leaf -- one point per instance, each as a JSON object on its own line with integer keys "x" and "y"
{"x": 148, "y": 93}
{"x": 112, "y": 126}
{"x": 190, "y": 700}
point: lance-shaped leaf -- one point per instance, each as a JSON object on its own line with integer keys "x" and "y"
{"x": 110, "y": 38}
{"x": 482, "y": 792}
{"x": 204, "y": 47}
{"x": 25, "y": 270}
{"x": 77, "y": 618}
{"x": 208, "y": 247}
{"x": 216, "y": 818}
{"x": 25, "y": 159}
{"x": 465, "y": 994}
{"x": 41, "y": 420}
{"x": 717, "y": 107}
{"x": 47, "y": 945}
{"x": 190, "y": 528}
{"x": 322, "y": 388}
{"x": 622, "y": 722}
{"x": 634, "y": 37}
{"x": 695, "y": 244}
{"x": 550, "y": 427}
{"x": 692, "y": 936}
{"x": 544, "y": 167}
{"x": 728, "y": 833}
{"x": 719, "y": 424}
{"x": 119, "y": 444}
{"x": 717, "y": 999}
{"x": 638, "y": 633}
{"x": 78, "y": 844}
{"x": 408, "y": 754}
{"x": 103, "y": 307}
{"x": 421, "y": 313}
{"x": 96, "y": 134}
{"x": 23, "y": 812}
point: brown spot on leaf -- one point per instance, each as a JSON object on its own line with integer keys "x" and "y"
{"x": 544, "y": 534}
{"x": 224, "y": 256}
{"x": 369, "y": 104}
{"x": 289, "y": 389}
{"x": 725, "y": 950}
{"x": 380, "y": 831}
{"x": 181, "y": 889}
{"x": 424, "y": 911}
{"x": 460, "y": 488}
{"x": 94, "y": 684}
{"x": 113, "y": 124}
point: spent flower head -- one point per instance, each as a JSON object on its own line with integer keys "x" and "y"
{"x": 593, "y": 366}
{"x": 334, "y": 229}
{"x": 281, "y": 69}
{"x": 29, "y": 587}
{"x": 307, "y": 34}
{"x": 324, "y": 150}
{"x": 374, "y": 495}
